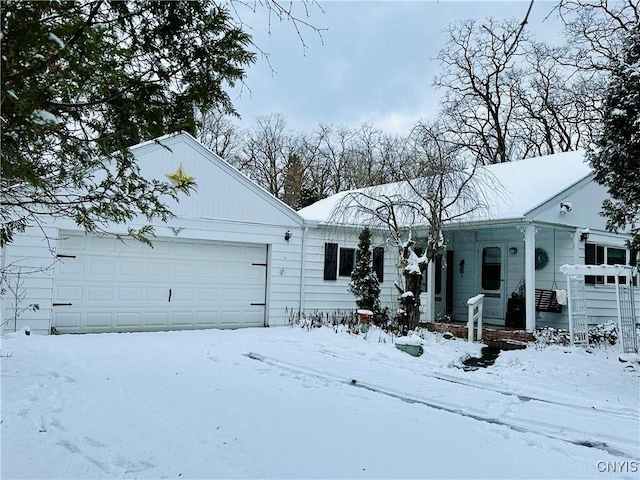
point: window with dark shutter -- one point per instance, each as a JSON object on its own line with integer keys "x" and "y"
{"x": 347, "y": 261}
{"x": 330, "y": 261}
{"x": 595, "y": 254}
{"x": 378, "y": 263}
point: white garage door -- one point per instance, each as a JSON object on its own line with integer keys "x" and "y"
{"x": 105, "y": 285}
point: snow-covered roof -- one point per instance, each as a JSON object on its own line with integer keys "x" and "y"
{"x": 509, "y": 190}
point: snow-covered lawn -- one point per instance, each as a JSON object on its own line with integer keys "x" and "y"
{"x": 291, "y": 403}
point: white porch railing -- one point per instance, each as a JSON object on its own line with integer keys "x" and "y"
{"x": 475, "y": 313}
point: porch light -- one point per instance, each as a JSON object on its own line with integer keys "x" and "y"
{"x": 513, "y": 250}
{"x": 584, "y": 235}
{"x": 287, "y": 235}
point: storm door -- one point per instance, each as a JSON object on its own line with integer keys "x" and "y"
{"x": 491, "y": 280}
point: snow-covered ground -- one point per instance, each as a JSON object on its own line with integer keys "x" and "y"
{"x": 293, "y": 403}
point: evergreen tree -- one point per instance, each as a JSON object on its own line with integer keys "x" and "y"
{"x": 616, "y": 158}
{"x": 83, "y": 81}
{"x": 364, "y": 281}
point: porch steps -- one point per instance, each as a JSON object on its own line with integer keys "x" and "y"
{"x": 503, "y": 339}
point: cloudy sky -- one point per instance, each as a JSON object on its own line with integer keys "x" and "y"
{"x": 374, "y": 63}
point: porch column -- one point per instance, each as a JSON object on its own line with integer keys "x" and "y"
{"x": 530, "y": 276}
{"x": 430, "y": 306}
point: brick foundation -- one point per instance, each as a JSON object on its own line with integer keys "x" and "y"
{"x": 492, "y": 337}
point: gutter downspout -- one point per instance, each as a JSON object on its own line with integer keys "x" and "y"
{"x": 303, "y": 268}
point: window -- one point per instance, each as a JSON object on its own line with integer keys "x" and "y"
{"x": 340, "y": 261}
{"x": 603, "y": 255}
{"x": 378, "y": 263}
{"x": 347, "y": 261}
{"x": 491, "y": 268}
{"x": 330, "y": 261}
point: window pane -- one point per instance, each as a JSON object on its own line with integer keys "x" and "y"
{"x": 378, "y": 263}
{"x": 491, "y": 268}
{"x": 330, "y": 261}
{"x": 347, "y": 256}
{"x": 616, "y": 256}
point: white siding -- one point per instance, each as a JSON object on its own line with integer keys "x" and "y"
{"x": 586, "y": 202}
{"x": 33, "y": 259}
{"x": 222, "y": 192}
{"x": 332, "y": 295}
{"x": 601, "y": 299}
{"x": 227, "y": 207}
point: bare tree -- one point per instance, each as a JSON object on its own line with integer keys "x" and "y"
{"x": 265, "y": 152}
{"x": 220, "y": 134}
{"x": 480, "y": 70}
{"x": 557, "y": 108}
{"x": 333, "y": 156}
{"x": 444, "y": 193}
{"x": 595, "y": 30}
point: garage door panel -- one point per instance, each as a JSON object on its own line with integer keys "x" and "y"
{"x": 100, "y": 294}
{"x": 156, "y": 295}
{"x": 68, "y": 320}
{"x": 101, "y": 267}
{"x": 182, "y": 270}
{"x": 206, "y": 319}
{"x": 128, "y": 294}
{"x": 182, "y": 295}
{"x": 70, "y": 294}
{"x": 126, "y": 287}
{"x": 127, "y": 319}
{"x": 182, "y": 319}
{"x": 98, "y": 321}
{"x": 156, "y": 269}
{"x": 130, "y": 268}
{"x": 70, "y": 266}
{"x": 156, "y": 319}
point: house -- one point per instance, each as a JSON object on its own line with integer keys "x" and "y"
{"x": 229, "y": 258}
{"x": 539, "y": 214}
{"x": 235, "y": 256}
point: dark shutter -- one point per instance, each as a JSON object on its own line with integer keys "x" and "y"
{"x": 593, "y": 255}
{"x": 378, "y": 263}
{"x": 438, "y": 268}
{"x": 330, "y": 261}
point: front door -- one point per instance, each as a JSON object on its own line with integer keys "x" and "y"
{"x": 444, "y": 286}
{"x": 491, "y": 280}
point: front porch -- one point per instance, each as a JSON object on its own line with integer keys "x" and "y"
{"x": 504, "y": 338}
{"x": 508, "y": 264}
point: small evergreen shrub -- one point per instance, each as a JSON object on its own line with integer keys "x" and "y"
{"x": 364, "y": 282}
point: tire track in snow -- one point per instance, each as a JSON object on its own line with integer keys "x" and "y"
{"x": 566, "y": 434}
{"x": 471, "y": 384}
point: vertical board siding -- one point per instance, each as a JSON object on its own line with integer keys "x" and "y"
{"x": 221, "y": 191}
{"x": 33, "y": 254}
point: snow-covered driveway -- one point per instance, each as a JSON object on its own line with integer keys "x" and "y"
{"x": 291, "y": 403}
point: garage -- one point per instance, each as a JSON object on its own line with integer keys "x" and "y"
{"x": 102, "y": 284}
